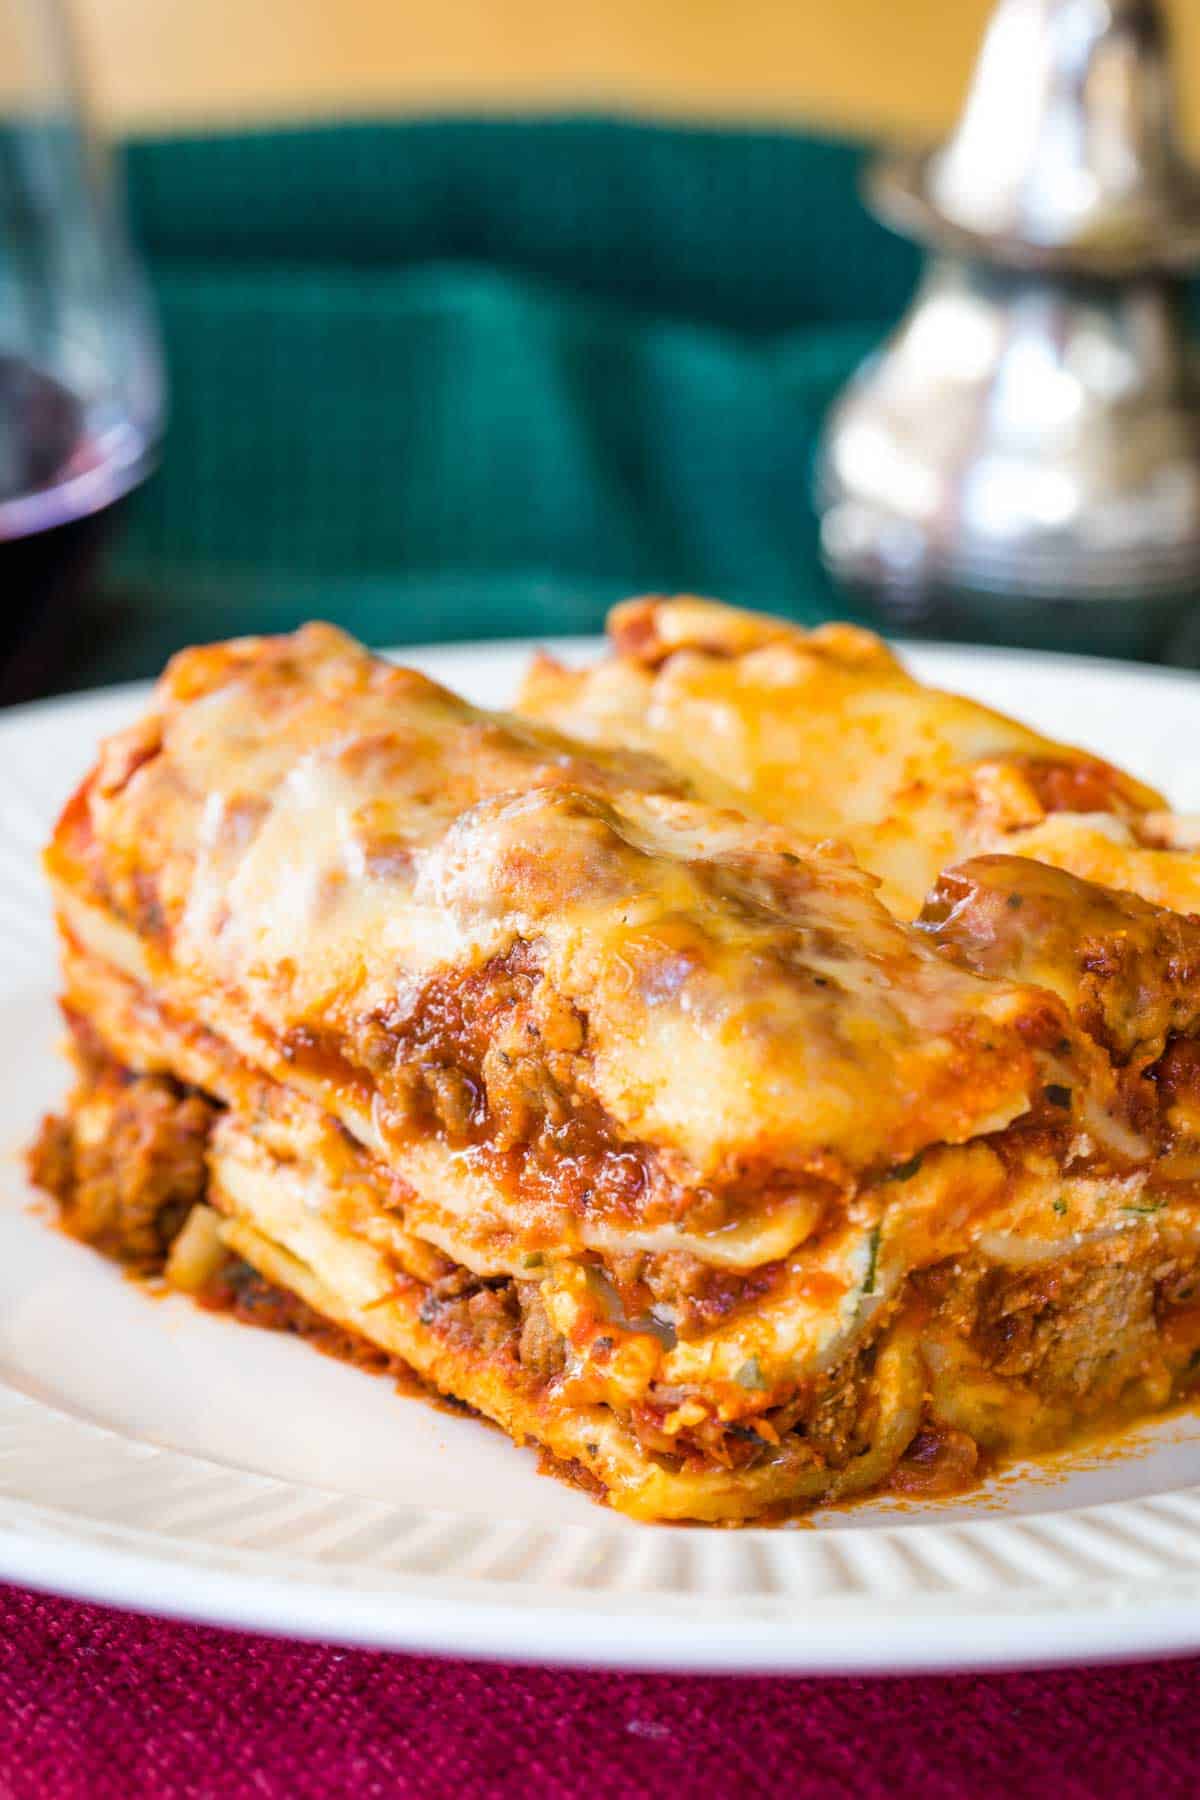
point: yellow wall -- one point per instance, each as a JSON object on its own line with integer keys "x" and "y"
{"x": 898, "y": 64}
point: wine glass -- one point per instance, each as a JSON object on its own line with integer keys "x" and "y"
{"x": 81, "y": 389}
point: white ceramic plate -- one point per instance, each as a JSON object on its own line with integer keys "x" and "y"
{"x": 160, "y": 1458}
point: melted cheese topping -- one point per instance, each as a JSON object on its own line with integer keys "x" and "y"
{"x": 1109, "y": 851}
{"x": 826, "y": 733}
{"x": 305, "y": 839}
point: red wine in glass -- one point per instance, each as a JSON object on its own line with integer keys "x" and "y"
{"x": 62, "y": 472}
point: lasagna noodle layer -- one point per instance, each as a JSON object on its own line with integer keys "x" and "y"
{"x": 975, "y": 1352}
{"x": 319, "y": 1218}
{"x": 642, "y": 1332}
{"x": 828, "y": 735}
{"x": 1077, "y": 1265}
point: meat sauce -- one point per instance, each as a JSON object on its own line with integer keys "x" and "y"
{"x": 494, "y": 1062}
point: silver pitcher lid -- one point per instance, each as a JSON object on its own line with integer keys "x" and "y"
{"x": 1066, "y": 155}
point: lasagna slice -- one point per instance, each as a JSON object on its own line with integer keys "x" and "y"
{"x": 634, "y": 1124}
{"x": 826, "y": 733}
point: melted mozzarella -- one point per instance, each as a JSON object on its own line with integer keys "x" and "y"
{"x": 826, "y": 733}
{"x": 323, "y": 835}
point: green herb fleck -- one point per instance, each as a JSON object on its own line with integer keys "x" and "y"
{"x": 534, "y": 1260}
{"x": 750, "y": 1375}
{"x": 1056, "y": 1095}
{"x": 1014, "y": 902}
{"x": 906, "y": 1170}
{"x": 868, "y": 1286}
{"x": 1059, "y": 1204}
{"x": 1151, "y": 1206}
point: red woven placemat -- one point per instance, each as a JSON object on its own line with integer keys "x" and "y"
{"x": 95, "y": 1703}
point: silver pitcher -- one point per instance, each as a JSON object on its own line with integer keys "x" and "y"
{"x": 1021, "y": 460}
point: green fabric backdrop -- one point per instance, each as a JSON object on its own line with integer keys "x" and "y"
{"x": 457, "y": 378}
